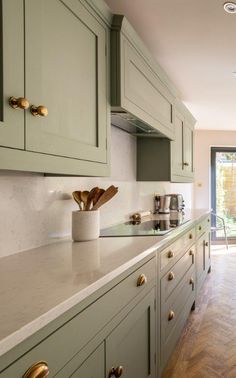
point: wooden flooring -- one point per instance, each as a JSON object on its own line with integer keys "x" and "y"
{"x": 207, "y": 348}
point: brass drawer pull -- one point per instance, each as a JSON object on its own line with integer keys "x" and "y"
{"x": 191, "y": 282}
{"x": 142, "y": 280}
{"x": 116, "y": 372}
{"x": 171, "y": 276}
{"x": 38, "y": 370}
{"x": 39, "y": 110}
{"x": 191, "y": 253}
{"x": 170, "y": 254}
{"x": 18, "y": 103}
{"x": 171, "y": 315}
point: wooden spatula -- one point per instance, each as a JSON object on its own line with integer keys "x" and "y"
{"x": 84, "y": 197}
{"x": 93, "y": 192}
{"x": 97, "y": 195}
{"x": 106, "y": 196}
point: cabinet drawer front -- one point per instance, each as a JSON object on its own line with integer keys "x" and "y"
{"x": 172, "y": 309}
{"x": 203, "y": 226}
{"x": 144, "y": 94}
{"x": 68, "y": 340}
{"x": 174, "y": 276}
{"x": 171, "y": 254}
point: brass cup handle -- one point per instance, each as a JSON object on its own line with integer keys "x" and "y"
{"x": 171, "y": 315}
{"x": 116, "y": 372}
{"x": 18, "y": 103}
{"x": 40, "y": 110}
{"x": 142, "y": 280}
{"x": 170, "y": 254}
{"x": 171, "y": 276}
{"x": 38, "y": 370}
{"x": 191, "y": 282}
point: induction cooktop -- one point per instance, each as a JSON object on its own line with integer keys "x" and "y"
{"x": 154, "y": 227}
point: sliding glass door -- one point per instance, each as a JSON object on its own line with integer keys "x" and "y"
{"x": 223, "y": 190}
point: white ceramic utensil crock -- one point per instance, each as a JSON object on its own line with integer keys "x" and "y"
{"x": 85, "y": 225}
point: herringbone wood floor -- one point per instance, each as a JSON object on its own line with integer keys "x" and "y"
{"x": 207, "y": 348}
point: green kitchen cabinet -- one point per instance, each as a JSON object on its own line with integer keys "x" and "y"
{"x": 93, "y": 366}
{"x": 130, "y": 348}
{"x": 57, "y": 58}
{"x": 203, "y": 259}
{"x": 159, "y": 159}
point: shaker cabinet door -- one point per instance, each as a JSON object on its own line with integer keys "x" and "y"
{"x": 177, "y": 146}
{"x": 93, "y": 366}
{"x": 188, "y": 149}
{"x": 130, "y": 347}
{"x": 66, "y": 74}
{"x": 11, "y": 73}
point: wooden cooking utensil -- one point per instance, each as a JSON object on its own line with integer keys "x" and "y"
{"x": 91, "y": 196}
{"x": 106, "y": 196}
{"x": 97, "y": 195}
{"x": 84, "y": 197}
{"x": 77, "y": 198}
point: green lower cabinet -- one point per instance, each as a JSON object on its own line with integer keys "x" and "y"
{"x": 203, "y": 259}
{"x": 130, "y": 348}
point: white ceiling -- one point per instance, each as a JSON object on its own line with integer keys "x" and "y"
{"x": 194, "y": 41}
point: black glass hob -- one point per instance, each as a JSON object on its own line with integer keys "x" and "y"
{"x": 157, "y": 227}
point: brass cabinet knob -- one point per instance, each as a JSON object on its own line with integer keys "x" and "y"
{"x": 191, "y": 253}
{"x": 170, "y": 254}
{"x": 186, "y": 164}
{"x": 171, "y": 276}
{"x": 39, "y": 110}
{"x": 191, "y": 282}
{"x": 141, "y": 280}
{"x": 208, "y": 220}
{"x": 116, "y": 372}
{"x": 18, "y": 103}
{"x": 38, "y": 370}
{"x": 190, "y": 236}
{"x": 200, "y": 227}
{"x": 171, "y": 315}
{"x": 206, "y": 244}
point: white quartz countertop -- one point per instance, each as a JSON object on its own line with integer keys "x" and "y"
{"x": 38, "y": 285}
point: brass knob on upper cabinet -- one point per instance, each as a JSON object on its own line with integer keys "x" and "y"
{"x": 116, "y": 372}
{"x": 171, "y": 276}
{"x": 141, "y": 280}
{"x": 200, "y": 227}
{"x": 206, "y": 244}
{"x": 170, "y": 254}
{"x": 38, "y": 370}
{"x": 18, "y": 103}
{"x": 171, "y": 315}
{"x": 190, "y": 236}
{"x": 40, "y": 110}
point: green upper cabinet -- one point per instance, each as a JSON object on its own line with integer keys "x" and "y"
{"x": 57, "y": 58}
{"x": 182, "y": 148}
{"x": 139, "y": 88}
{"x": 11, "y": 72}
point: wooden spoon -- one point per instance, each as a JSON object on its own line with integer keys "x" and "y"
{"x": 91, "y": 196}
{"x": 77, "y": 198}
{"x": 97, "y": 195}
{"x": 106, "y": 196}
{"x": 84, "y": 198}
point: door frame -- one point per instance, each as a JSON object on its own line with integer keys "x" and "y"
{"x": 214, "y": 150}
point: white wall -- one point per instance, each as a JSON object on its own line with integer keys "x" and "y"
{"x": 204, "y": 140}
{"x": 32, "y": 215}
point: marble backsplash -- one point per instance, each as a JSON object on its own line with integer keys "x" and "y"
{"x": 36, "y": 210}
